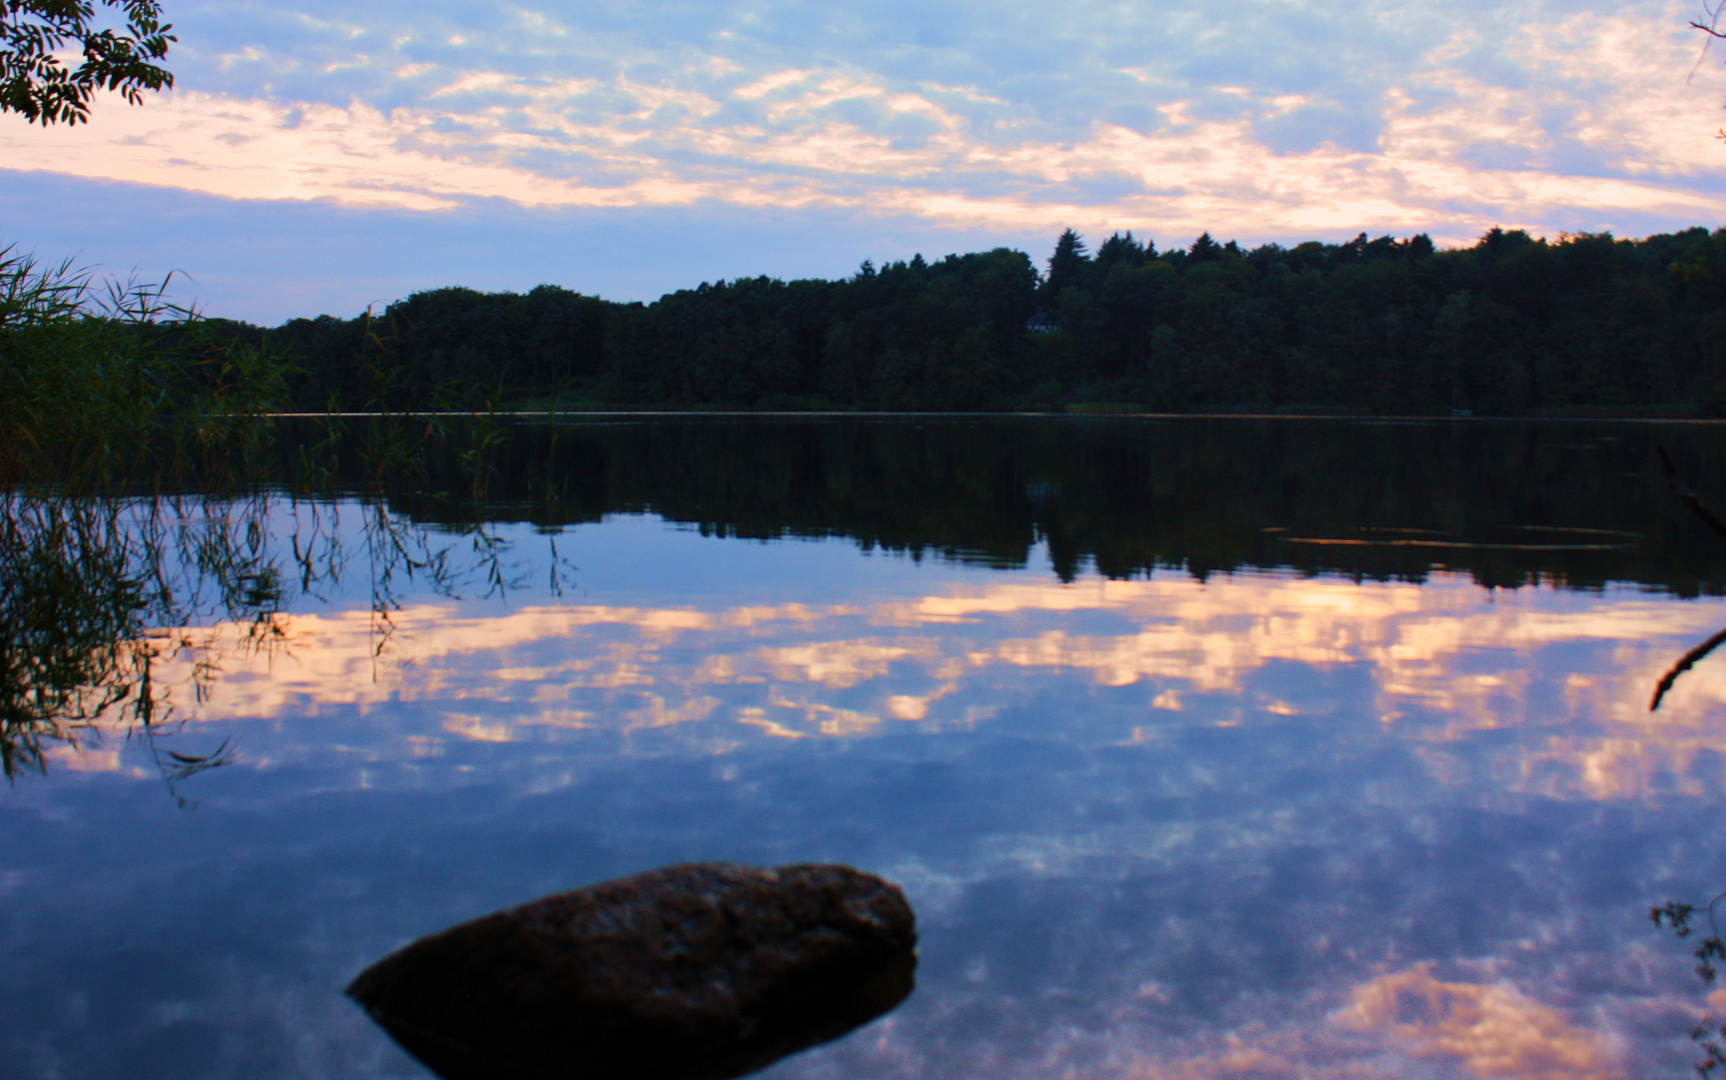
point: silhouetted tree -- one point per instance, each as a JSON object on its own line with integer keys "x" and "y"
{"x": 1508, "y": 326}
{"x": 1066, "y": 265}
{"x": 34, "y": 81}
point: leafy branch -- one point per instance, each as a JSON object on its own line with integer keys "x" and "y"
{"x": 34, "y": 81}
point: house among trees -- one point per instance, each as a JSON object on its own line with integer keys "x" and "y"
{"x": 1042, "y": 323}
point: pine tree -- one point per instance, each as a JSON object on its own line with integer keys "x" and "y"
{"x": 1066, "y": 265}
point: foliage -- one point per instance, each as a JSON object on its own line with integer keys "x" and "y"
{"x": 97, "y": 592}
{"x": 104, "y": 384}
{"x": 69, "y": 633}
{"x": 1710, "y": 1033}
{"x": 93, "y": 592}
{"x": 1512, "y": 325}
{"x": 34, "y": 82}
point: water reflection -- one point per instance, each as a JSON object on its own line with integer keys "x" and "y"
{"x": 121, "y": 617}
{"x": 1186, "y": 825}
{"x": 69, "y": 627}
{"x": 87, "y": 589}
{"x": 1508, "y": 503}
{"x": 1147, "y": 819}
{"x": 1437, "y": 663}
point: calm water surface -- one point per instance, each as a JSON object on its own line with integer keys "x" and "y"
{"x": 1314, "y": 810}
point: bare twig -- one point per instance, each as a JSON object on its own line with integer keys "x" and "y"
{"x": 1685, "y": 663}
{"x": 1701, "y": 510}
{"x": 1711, "y": 29}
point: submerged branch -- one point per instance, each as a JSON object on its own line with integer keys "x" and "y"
{"x": 1685, "y": 663}
{"x": 1713, "y": 520}
{"x": 1688, "y": 497}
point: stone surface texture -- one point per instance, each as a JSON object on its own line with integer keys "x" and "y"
{"x": 695, "y": 972}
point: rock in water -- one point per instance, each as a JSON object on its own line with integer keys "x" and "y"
{"x": 699, "y": 972}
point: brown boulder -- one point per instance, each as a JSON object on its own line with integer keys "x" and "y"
{"x": 698, "y": 972}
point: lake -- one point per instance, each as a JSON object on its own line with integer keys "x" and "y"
{"x": 1203, "y": 748}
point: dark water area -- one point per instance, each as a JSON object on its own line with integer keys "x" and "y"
{"x": 1202, "y": 748}
{"x": 1581, "y": 503}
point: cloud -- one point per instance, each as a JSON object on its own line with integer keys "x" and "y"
{"x": 1495, "y": 1032}
{"x": 1282, "y": 122}
{"x": 267, "y": 261}
{"x": 840, "y": 664}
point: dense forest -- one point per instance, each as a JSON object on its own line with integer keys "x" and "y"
{"x": 1513, "y": 325}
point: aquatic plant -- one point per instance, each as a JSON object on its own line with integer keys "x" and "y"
{"x": 103, "y": 382}
{"x": 97, "y": 593}
{"x": 93, "y": 592}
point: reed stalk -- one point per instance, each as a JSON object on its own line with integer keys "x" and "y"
{"x": 109, "y": 382}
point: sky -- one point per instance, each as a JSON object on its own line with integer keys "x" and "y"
{"x": 318, "y": 157}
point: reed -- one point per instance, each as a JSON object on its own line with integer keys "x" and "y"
{"x": 107, "y": 382}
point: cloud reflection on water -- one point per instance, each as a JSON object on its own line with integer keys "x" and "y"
{"x": 1447, "y": 660}
{"x": 1493, "y": 1031}
{"x": 1256, "y": 826}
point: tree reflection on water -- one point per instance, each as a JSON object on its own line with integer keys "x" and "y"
{"x": 96, "y": 594}
{"x": 93, "y": 592}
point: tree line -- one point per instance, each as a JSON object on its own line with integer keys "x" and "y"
{"x": 1513, "y": 325}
